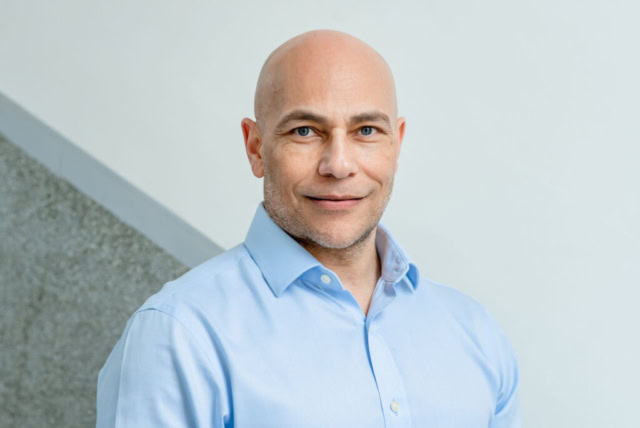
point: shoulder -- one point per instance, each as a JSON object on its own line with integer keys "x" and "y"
{"x": 225, "y": 277}
{"x": 460, "y": 306}
{"x": 473, "y": 321}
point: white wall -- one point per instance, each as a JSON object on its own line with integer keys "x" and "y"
{"x": 518, "y": 184}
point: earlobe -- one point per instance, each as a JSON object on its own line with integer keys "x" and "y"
{"x": 253, "y": 146}
{"x": 257, "y": 167}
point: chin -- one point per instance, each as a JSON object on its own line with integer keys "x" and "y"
{"x": 338, "y": 241}
{"x": 334, "y": 244}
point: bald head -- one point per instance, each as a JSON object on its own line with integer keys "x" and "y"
{"x": 319, "y": 58}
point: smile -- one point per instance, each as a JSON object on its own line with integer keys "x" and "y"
{"x": 334, "y": 202}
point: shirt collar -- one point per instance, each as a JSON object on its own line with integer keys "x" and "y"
{"x": 282, "y": 260}
{"x": 396, "y": 264}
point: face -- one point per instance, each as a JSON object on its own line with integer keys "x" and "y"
{"x": 328, "y": 151}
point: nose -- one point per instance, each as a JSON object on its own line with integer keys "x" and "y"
{"x": 337, "y": 158}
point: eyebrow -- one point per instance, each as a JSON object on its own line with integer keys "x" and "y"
{"x": 300, "y": 115}
{"x": 369, "y": 116}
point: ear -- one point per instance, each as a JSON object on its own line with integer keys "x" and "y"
{"x": 400, "y": 126}
{"x": 253, "y": 146}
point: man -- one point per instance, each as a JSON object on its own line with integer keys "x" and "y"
{"x": 319, "y": 319}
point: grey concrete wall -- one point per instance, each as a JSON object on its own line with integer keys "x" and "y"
{"x": 70, "y": 275}
{"x": 87, "y": 174}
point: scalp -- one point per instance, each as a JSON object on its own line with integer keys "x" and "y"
{"x": 315, "y": 53}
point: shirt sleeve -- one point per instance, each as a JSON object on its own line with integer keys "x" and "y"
{"x": 158, "y": 376}
{"x": 507, "y": 412}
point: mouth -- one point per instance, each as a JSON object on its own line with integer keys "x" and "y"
{"x": 335, "y": 202}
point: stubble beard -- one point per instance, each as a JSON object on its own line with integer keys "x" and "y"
{"x": 289, "y": 220}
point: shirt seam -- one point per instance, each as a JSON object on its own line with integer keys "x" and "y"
{"x": 184, "y": 327}
{"x": 193, "y": 336}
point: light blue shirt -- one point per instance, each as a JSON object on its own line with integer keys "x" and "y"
{"x": 263, "y": 335}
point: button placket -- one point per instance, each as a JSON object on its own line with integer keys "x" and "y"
{"x": 389, "y": 382}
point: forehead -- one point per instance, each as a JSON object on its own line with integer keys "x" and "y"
{"x": 333, "y": 84}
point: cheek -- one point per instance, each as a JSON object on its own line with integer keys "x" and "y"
{"x": 289, "y": 166}
{"x": 380, "y": 166}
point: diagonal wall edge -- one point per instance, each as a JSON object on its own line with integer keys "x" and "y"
{"x": 123, "y": 199}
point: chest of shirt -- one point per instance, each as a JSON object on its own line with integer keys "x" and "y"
{"x": 310, "y": 360}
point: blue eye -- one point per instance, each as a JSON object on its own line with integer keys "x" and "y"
{"x": 303, "y": 131}
{"x": 367, "y": 130}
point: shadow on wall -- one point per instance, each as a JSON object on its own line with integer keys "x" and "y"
{"x": 70, "y": 276}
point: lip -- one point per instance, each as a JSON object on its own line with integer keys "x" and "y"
{"x": 335, "y": 197}
{"x": 335, "y": 202}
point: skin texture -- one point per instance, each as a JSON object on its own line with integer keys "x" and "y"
{"x": 342, "y": 140}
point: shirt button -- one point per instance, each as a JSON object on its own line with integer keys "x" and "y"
{"x": 325, "y": 278}
{"x": 395, "y": 407}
